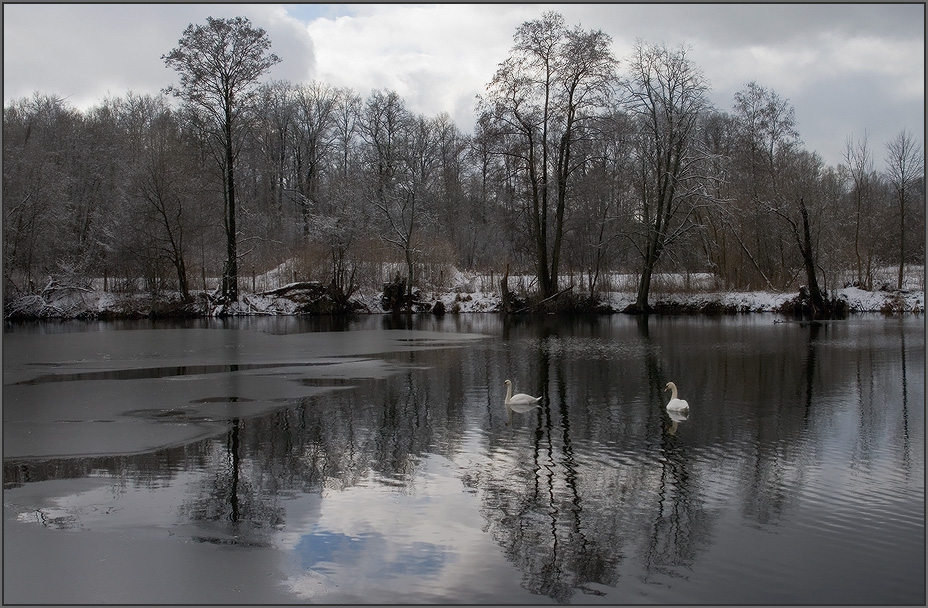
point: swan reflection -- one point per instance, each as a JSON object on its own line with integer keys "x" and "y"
{"x": 676, "y": 417}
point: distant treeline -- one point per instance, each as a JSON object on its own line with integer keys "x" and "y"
{"x": 579, "y": 164}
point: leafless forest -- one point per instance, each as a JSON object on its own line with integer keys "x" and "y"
{"x": 580, "y": 164}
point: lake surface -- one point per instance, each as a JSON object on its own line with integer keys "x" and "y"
{"x": 293, "y": 460}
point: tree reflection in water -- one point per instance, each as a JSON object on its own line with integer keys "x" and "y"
{"x": 231, "y": 504}
{"x": 597, "y": 484}
{"x": 566, "y": 524}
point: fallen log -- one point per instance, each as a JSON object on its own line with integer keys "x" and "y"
{"x": 311, "y": 286}
{"x": 549, "y": 298}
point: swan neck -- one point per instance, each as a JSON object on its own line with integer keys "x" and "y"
{"x": 673, "y": 392}
{"x": 508, "y": 393}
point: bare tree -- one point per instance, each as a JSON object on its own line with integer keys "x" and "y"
{"x": 717, "y": 221}
{"x": 317, "y": 107}
{"x": 601, "y": 198}
{"x": 806, "y": 204}
{"x": 349, "y": 217}
{"x": 219, "y": 64}
{"x": 457, "y": 214}
{"x": 554, "y": 80}
{"x": 384, "y": 123}
{"x": 38, "y": 136}
{"x": 347, "y": 113}
{"x": 864, "y": 179}
{"x": 905, "y": 166}
{"x": 781, "y": 180}
{"x": 765, "y": 138}
{"x": 275, "y": 133}
{"x": 403, "y": 157}
{"x": 165, "y": 182}
{"x": 327, "y": 190}
{"x": 492, "y": 191}
{"x": 667, "y": 93}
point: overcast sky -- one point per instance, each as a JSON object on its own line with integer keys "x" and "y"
{"x": 845, "y": 68}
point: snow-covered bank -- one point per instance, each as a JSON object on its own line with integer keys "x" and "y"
{"x": 466, "y": 296}
{"x": 857, "y": 300}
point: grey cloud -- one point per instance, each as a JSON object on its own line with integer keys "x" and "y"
{"x": 76, "y": 49}
{"x": 725, "y": 25}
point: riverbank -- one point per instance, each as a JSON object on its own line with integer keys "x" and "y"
{"x": 61, "y": 302}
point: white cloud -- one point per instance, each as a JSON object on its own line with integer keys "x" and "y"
{"x": 416, "y": 535}
{"x": 437, "y": 57}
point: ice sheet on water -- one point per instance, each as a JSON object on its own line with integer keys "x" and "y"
{"x": 131, "y": 391}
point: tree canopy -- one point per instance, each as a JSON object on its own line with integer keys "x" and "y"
{"x": 219, "y": 64}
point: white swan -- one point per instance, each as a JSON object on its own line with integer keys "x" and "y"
{"x": 675, "y": 405}
{"x": 520, "y": 402}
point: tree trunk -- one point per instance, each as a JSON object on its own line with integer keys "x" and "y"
{"x": 303, "y": 190}
{"x": 652, "y": 254}
{"x": 901, "y": 237}
{"x": 644, "y": 288}
{"x": 808, "y": 259}
{"x": 409, "y": 277}
{"x": 230, "y": 276}
{"x": 504, "y": 290}
{"x": 860, "y": 265}
{"x": 540, "y": 223}
{"x": 182, "y": 282}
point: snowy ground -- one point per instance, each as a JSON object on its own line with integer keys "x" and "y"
{"x": 473, "y": 293}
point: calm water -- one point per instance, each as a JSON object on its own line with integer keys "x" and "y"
{"x": 289, "y": 460}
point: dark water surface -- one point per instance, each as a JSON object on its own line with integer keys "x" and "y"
{"x": 287, "y": 460}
